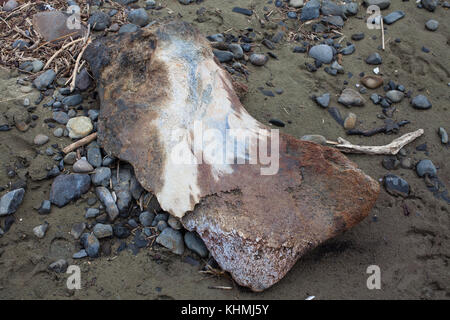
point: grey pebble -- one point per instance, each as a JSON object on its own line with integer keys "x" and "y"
{"x": 92, "y": 213}
{"x": 258, "y": 59}
{"x": 393, "y": 17}
{"x": 128, "y": 28}
{"x": 322, "y": 53}
{"x": 99, "y": 21}
{"x": 80, "y": 254}
{"x": 101, "y": 177}
{"x": 103, "y": 230}
{"x": 432, "y": 25}
{"x": 172, "y": 240}
{"x": 90, "y": 244}
{"x": 58, "y": 132}
{"x": 77, "y": 230}
{"x": 196, "y": 244}
{"x": 223, "y": 56}
{"x": 45, "y": 207}
{"x": 323, "y": 100}
{"x": 40, "y": 230}
{"x": 66, "y": 188}
{"x": 421, "y": 102}
{"x": 426, "y": 167}
{"x": 11, "y": 201}
{"x": 146, "y": 218}
{"x": 443, "y": 134}
{"x": 374, "y": 59}
{"x": 44, "y": 80}
{"x": 106, "y": 198}
{"x": 139, "y": 17}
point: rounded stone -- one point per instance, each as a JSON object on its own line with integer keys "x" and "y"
{"x": 58, "y": 132}
{"x": 316, "y": 138}
{"x": 395, "y": 95}
{"x": 374, "y": 59}
{"x": 432, "y": 25}
{"x": 139, "y": 17}
{"x": 128, "y": 28}
{"x": 174, "y": 223}
{"x": 37, "y": 65}
{"x": 82, "y": 166}
{"x": 99, "y": 21}
{"x": 146, "y": 218}
{"x": 421, "y": 102}
{"x": 350, "y": 121}
{"x": 103, "y": 230}
{"x": 426, "y": 167}
{"x": 322, "y": 53}
{"x": 10, "y": 5}
{"x": 223, "y": 55}
{"x": 350, "y": 97}
{"x": 172, "y": 240}
{"x": 396, "y": 186}
{"x": 70, "y": 158}
{"x": 79, "y": 127}
{"x": 40, "y": 139}
{"x": 382, "y": 4}
{"x": 296, "y": 3}
{"x": 443, "y": 134}
{"x": 237, "y": 51}
{"x": 372, "y": 82}
{"x": 258, "y": 59}
{"x": 196, "y": 244}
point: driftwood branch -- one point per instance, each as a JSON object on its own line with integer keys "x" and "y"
{"x": 390, "y": 149}
{"x": 80, "y": 143}
{"x": 87, "y": 41}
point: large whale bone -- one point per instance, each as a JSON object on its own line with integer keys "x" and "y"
{"x": 164, "y": 98}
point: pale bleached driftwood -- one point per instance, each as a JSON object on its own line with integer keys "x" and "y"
{"x": 391, "y": 149}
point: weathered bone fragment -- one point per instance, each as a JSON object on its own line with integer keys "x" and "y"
{"x": 391, "y": 149}
{"x": 164, "y": 98}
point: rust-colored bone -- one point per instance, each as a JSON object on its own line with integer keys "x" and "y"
{"x": 158, "y": 80}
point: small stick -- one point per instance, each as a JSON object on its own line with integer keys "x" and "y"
{"x": 60, "y": 38}
{"x": 220, "y": 287}
{"x": 391, "y": 149}
{"x": 87, "y": 41}
{"x": 382, "y": 31}
{"x": 80, "y": 143}
{"x": 5, "y": 22}
{"x": 59, "y": 51}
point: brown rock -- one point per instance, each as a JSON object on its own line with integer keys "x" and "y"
{"x": 256, "y": 223}
{"x": 372, "y": 82}
{"x": 350, "y": 121}
{"x": 22, "y": 126}
{"x": 52, "y": 25}
{"x": 350, "y": 97}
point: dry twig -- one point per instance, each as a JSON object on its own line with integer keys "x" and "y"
{"x": 390, "y": 149}
{"x": 80, "y": 143}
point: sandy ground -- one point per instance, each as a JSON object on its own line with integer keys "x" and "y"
{"x": 413, "y": 251}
